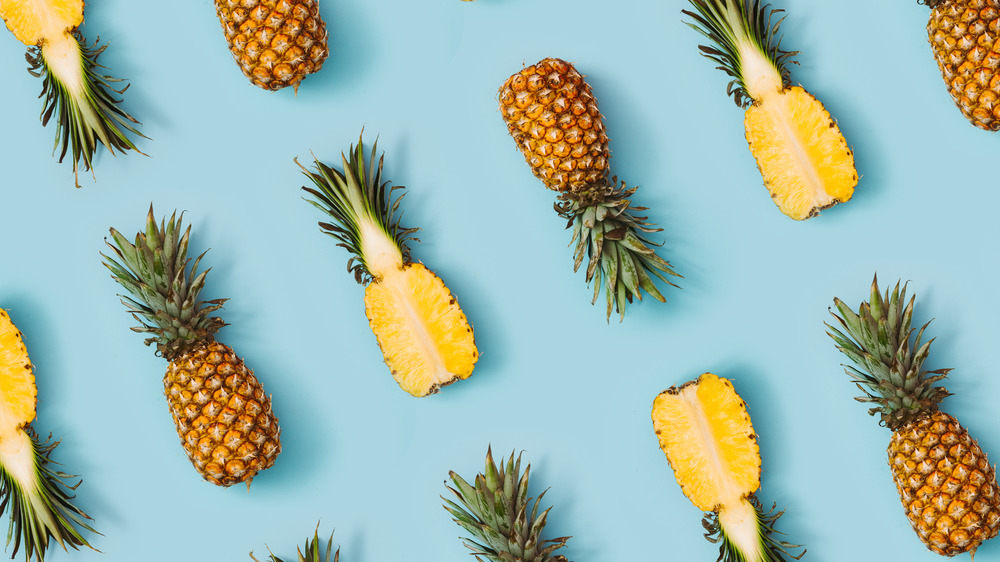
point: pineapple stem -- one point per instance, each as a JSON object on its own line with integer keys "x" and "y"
{"x": 81, "y": 99}
{"x": 606, "y": 230}
{"x": 745, "y": 533}
{"x": 38, "y": 497}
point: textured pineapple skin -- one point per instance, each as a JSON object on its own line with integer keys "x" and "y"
{"x": 223, "y": 416}
{"x": 551, "y": 112}
{"x": 965, "y": 38}
{"x": 948, "y": 488}
{"x": 276, "y": 43}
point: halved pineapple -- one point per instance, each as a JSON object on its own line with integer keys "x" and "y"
{"x": 18, "y": 394}
{"x": 425, "y": 338}
{"x": 705, "y": 431}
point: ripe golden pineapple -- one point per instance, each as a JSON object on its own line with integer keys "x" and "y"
{"x": 81, "y": 99}
{"x": 553, "y": 117}
{"x": 425, "y": 338}
{"x": 948, "y": 488}
{"x": 802, "y": 156}
{"x": 965, "y": 38}
{"x": 37, "y": 496}
{"x": 222, "y": 414}
{"x": 705, "y": 431}
{"x": 276, "y": 43}
{"x": 499, "y": 516}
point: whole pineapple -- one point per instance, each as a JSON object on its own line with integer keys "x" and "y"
{"x": 221, "y": 411}
{"x": 802, "y": 155}
{"x": 276, "y": 43}
{"x": 965, "y": 38}
{"x": 79, "y": 97}
{"x": 36, "y": 495}
{"x": 553, "y": 117}
{"x": 948, "y": 488}
{"x": 425, "y": 338}
{"x": 500, "y": 517}
{"x": 704, "y": 430}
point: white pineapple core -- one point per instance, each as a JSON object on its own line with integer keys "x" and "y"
{"x": 742, "y": 528}
{"x": 17, "y": 457}
{"x": 381, "y": 253}
{"x": 62, "y": 55}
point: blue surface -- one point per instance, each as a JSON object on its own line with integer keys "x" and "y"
{"x": 555, "y": 380}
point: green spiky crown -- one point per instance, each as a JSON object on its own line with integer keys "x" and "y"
{"x": 154, "y": 270}
{"x": 354, "y": 195}
{"x": 311, "y": 552}
{"x": 877, "y": 339}
{"x": 728, "y": 23}
{"x": 84, "y": 120}
{"x": 45, "y": 512}
{"x": 607, "y": 231}
{"x": 771, "y": 547}
{"x": 495, "y": 513}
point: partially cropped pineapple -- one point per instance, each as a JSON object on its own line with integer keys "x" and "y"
{"x": 705, "y": 431}
{"x": 803, "y": 158}
{"x": 553, "y": 117}
{"x": 965, "y": 38}
{"x": 276, "y": 43}
{"x": 498, "y": 514}
{"x": 312, "y": 552}
{"x": 948, "y": 488}
{"x": 425, "y": 338}
{"x": 37, "y": 496}
{"x": 222, "y": 414}
{"x": 79, "y": 97}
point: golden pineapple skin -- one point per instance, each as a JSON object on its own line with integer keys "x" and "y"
{"x": 947, "y": 486}
{"x": 965, "y": 38}
{"x": 553, "y": 116}
{"x": 801, "y": 153}
{"x": 223, "y": 416}
{"x": 32, "y": 21}
{"x": 425, "y": 337}
{"x": 704, "y": 429}
{"x": 18, "y": 394}
{"x": 276, "y": 43}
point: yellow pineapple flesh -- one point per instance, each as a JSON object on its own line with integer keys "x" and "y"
{"x": 18, "y": 394}
{"x": 965, "y": 38}
{"x": 34, "y": 21}
{"x": 424, "y": 335}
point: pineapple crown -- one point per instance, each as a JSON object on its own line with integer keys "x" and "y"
{"x": 877, "y": 339}
{"x": 736, "y": 24}
{"x": 358, "y": 198}
{"x": 154, "y": 270}
{"x": 311, "y": 552}
{"x": 86, "y": 118}
{"x": 495, "y": 513}
{"x": 773, "y": 548}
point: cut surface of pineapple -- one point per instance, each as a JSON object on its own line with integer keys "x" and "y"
{"x": 32, "y": 21}
{"x": 17, "y": 378}
{"x": 425, "y": 337}
{"x": 705, "y": 431}
{"x": 804, "y": 159}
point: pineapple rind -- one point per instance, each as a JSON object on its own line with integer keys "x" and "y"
{"x": 802, "y": 155}
{"x": 34, "y": 21}
{"x": 18, "y": 393}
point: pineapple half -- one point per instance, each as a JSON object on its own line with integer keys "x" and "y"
{"x": 801, "y": 153}
{"x": 947, "y": 486}
{"x": 222, "y": 414}
{"x": 81, "y": 98}
{"x": 312, "y": 553}
{"x": 498, "y": 514}
{"x": 37, "y": 496}
{"x": 705, "y": 431}
{"x": 425, "y": 338}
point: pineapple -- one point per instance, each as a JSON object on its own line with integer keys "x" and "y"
{"x": 802, "y": 156}
{"x": 705, "y": 431}
{"x": 496, "y": 513}
{"x": 965, "y": 38}
{"x": 553, "y": 117}
{"x": 38, "y": 497}
{"x": 948, "y": 488}
{"x": 76, "y": 93}
{"x": 222, "y": 414}
{"x": 312, "y": 552}
{"x": 276, "y": 43}
{"x": 425, "y": 338}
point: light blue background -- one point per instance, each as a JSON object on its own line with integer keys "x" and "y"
{"x": 554, "y": 380}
